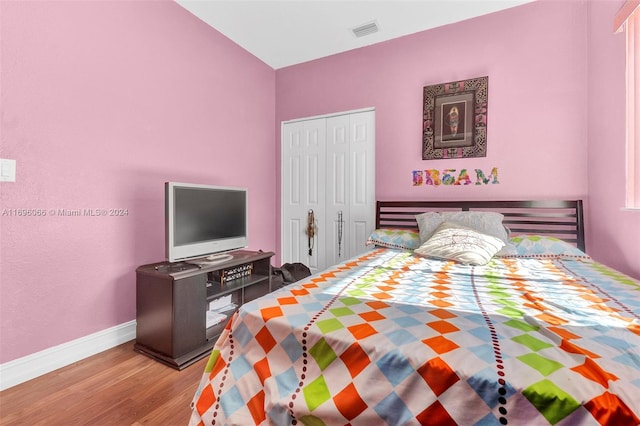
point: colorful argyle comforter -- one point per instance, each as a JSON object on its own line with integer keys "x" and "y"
{"x": 391, "y": 338}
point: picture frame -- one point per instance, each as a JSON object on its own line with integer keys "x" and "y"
{"x": 455, "y": 119}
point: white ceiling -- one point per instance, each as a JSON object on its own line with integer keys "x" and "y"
{"x": 284, "y": 33}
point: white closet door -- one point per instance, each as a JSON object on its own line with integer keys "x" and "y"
{"x": 362, "y": 180}
{"x": 328, "y": 166}
{"x": 303, "y": 189}
{"x": 338, "y": 188}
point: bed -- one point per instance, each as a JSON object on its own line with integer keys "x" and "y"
{"x": 527, "y": 331}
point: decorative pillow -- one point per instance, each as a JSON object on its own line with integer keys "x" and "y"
{"x": 489, "y": 223}
{"x": 541, "y": 246}
{"x": 454, "y": 242}
{"x": 427, "y": 224}
{"x": 404, "y": 239}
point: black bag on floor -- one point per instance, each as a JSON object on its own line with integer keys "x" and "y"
{"x": 292, "y": 272}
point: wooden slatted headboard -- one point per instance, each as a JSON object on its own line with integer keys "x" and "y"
{"x": 561, "y": 219}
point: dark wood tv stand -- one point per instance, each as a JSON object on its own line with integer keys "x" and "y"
{"x": 172, "y": 300}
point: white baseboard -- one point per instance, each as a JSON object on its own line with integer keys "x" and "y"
{"x": 31, "y": 366}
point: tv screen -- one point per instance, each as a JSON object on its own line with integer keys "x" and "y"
{"x": 204, "y": 220}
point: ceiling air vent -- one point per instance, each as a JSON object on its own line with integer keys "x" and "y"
{"x": 365, "y": 29}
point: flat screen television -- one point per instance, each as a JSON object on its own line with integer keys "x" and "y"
{"x": 204, "y": 221}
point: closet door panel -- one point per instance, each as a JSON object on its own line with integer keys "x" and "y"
{"x": 338, "y": 191}
{"x": 293, "y": 245}
{"x": 361, "y": 181}
{"x": 360, "y": 231}
{"x": 303, "y": 170}
{"x": 328, "y": 168}
{"x": 313, "y": 248}
{"x": 292, "y": 195}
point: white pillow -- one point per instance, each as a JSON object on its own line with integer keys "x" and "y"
{"x": 489, "y": 223}
{"x": 427, "y": 224}
{"x": 454, "y": 242}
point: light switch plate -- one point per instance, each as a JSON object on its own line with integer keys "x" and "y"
{"x": 7, "y": 170}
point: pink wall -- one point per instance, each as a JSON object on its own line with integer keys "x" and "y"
{"x": 614, "y": 233}
{"x": 102, "y": 102}
{"x": 537, "y": 100}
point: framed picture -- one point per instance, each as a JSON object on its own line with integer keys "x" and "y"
{"x": 455, "y": 119}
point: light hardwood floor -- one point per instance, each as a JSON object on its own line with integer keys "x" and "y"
{"x": 116, "y": 387}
